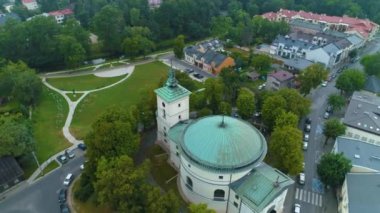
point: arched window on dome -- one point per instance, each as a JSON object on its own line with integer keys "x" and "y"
{"x": 189, "y": 183}
{"x": 219, "y": 194}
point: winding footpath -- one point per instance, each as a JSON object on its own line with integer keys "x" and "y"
{"x": 72, "y": 106}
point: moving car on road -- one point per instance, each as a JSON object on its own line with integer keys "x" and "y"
{"x": 302, "y": 178}
{"x": 297, "y": 208}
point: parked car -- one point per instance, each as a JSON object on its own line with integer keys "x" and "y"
{"x": 81, "y": 167}
{"x": 62, "y": 159}
{"x": 308, "y": 120}
{"x": 64, "y": 208}
{"x": 326, "y": 115}
{"x": 262, "y": 86}
{"x": 69, "y": 178}
{"x": 188, "y": 70}
{"x": 303, "y": 166}
{"x": 62, "y": 195}
{"x": 297, "y": 208}
{"x": 306, "y": 137}
{"x": 82, "y": 146}
{"x": 304, "y": 146}
{"x": 307, "y": 127}
{"x": 301, "y": 179}
{"x": 324, "y": 84}
{"x": 69, "y": 154}
{"x": 329, "y": 109}
{"x": 197, "y": 75}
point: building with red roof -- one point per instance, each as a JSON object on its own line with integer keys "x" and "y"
{"x": 361, "y": 27}
{"x": 30, "y": 4}
{"x": 60, "y": 15}
{"x": 279, "y": 79}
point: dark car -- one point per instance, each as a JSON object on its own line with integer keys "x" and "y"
{"x": 197, "y": 75}
{"x": 64, "y": 208}
{"x": 307, "y": 121}
{"x": 189, "y": 70}
{"x": 82, "y": 146}
{"x": 62, "y": 159}
{"x": 329, "y": 109}
{"x": 62, "y": 195}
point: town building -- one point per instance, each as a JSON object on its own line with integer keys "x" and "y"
{"x": 279, "y": 79}
{"x": 206, "y": 55}
{"x": 61, "y": 15}
{"x": 219, "y": 158}
{"x": 364, "y": 28}
{"x": 365, "y": 157}
{"x": 362, "y": 117}
{"x": 30, "y": 4}
{"x": 360, "y": 193}
{"x": 10, "y": 172}
{"x": 372, "y": 84}
{"x": 296, "y": 65}
{"x": 154, "y": 3}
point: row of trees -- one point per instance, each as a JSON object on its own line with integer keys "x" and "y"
{"x": 43, "y": 43}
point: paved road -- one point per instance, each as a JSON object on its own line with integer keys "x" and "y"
{"x": 42, "y": 196}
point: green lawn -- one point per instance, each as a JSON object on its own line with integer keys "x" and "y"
{"x": 48, "y": 119}
{"x": 52, "y": 165}
{"x": 85, "y": 82}
{"x": 74, "y": 97}
{"x": 123, "y": 95}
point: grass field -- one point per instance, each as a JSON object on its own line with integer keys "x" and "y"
{"x": 85, "y": 82}
{"x": 48, "y": 119}
{"x": 123, "y": 95}
{"x": 74, "y": 98}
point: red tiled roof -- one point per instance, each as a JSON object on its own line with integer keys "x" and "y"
{"x": 61, "y": 12}
{"x": 281, "y": 75}
{"x": 28, "y": 1}
{"x": 362, "y": 26}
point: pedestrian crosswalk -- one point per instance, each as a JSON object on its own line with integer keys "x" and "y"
{"x": 309, "y": 197}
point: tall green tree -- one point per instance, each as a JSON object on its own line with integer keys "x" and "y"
{"x": 71, "y": 51}
{"x": 286, "y": 119}
{"x": 285, "y": 149}
{"x": 350, "y": 81}
{"x": 371, "y": 64}
{"x": 120, "y": 184}
{"x": 273, "y": 106}
{"x": 157, "y": 202}
{"x": 225, "y": 108}
{"x": 138, "y": 42}
{"x": 232, "y": 83}
{"x": 109, "y": 24}
{"x": 295, "y": 103}
{"x": 214, "y": 93}
{"x": 312, "y": 77}
{"x": 336, "y": 101}
{"x": 16, "y": 136}
{"x": 333, "y": 128}
{"x": 179, "y": 44}
{"x": 72, "y": 28}
{"x": 332, "y": 169}
{"x": 245, "y": 103}
{"x": 262, "y": 63}
{"x": 221, "y": 26}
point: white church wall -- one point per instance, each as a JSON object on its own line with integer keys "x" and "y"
{"x": 173, "y": 112}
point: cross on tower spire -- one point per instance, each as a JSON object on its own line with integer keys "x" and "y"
{"x": 172, "y": 81}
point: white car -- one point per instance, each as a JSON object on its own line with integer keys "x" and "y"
{"x": 306, "y": 137}
{"x": 81, "y": 167}
{"x": 304, "y": 146}
{"x": 297, "y": 208}
{"x": 324, "y": 84}
{"x": 302, "y": 178}
{"x": 68, "y": 179}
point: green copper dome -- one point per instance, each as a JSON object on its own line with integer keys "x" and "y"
{"x": 223, "y": 143}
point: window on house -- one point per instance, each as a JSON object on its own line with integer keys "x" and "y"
{"x": 371, "y": 141}
{"x": 236, "y": 204}
{"x": 177, "y": 154}
{"x": 220, "y": 177}
{"x": 364, "y": 139}
{"x": 165, "y": 140}
{"x": 237, "y": 197}
{"x": 164, "y": 128}
{"x": 165, "y": 134}
{"x": 163, "y": 113}
{"x": 163, "y": 104}
{"x": 179, "y": 117}
{"x": 179, "y": 105}
{"x": 219, "y": 194}
{"x": 189, "y": 183}
{"x": 189, "y": 165}
{"x": 357, "y": 136}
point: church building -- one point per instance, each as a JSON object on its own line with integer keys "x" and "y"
{"x": 219, "y": 158}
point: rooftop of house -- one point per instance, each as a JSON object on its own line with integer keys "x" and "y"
{"x": 213, "y": 44}
{"x": 307, "y": 25}
{"x": 9, "y": 169}
{"x": 363, "y": 190}
{"x": 7, "y": 16}
{"x": 331, "y": 48}
{"x": 363, "y": 112}
{"x": 297, "y": 63}
{"x": 209, "y": 57}
{"x": 360, "y": 153}
{"x": 263, "y": 184}
{"x": 354, "y": 39}
{"x": 372, "y": 84}
{"x": 61, "y": 12}
{"x": 289, "y": 42}
{"x": 281, "y": 75}
{"x": 342, "y": 43}
{"x": 28, "y": 1}
{"x": 362, "y": 26}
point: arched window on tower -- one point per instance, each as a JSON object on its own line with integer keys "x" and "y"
{"x": 219, "y": 194}
{"x": 189, "y": 183}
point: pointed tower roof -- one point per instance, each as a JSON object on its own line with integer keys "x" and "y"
{"x": 172, "y": 91}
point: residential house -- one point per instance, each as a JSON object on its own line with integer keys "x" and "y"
{"x": 60, "y": 15}
{"x": 365, "y": 157}
{"x": 362, "y": 117}
{"x": 10, "y": 172}
{"x": 5, "y": 17}
{"x": 372, "y": 84}
{"x": 296, "y": 65}
{"x": 206, "y": 57}
{"x": 360, "y": 193}
{"x": 30, "y": 4}
{"x": 154, "y": 3}
{"x": 279, "y": 79}
{"x": 253, "y": 75}
{"x": 364, "y": 28}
